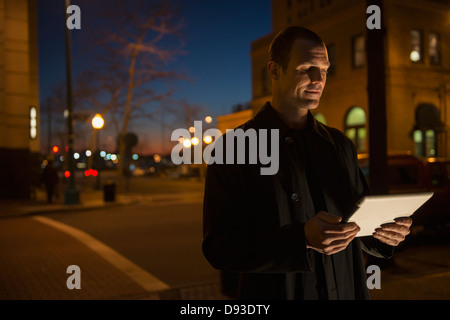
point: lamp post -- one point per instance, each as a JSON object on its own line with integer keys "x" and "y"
{"x": 97, "y": 124}
{"x": 71, "y": 194}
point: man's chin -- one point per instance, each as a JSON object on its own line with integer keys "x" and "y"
{"x": 309, "y": 104}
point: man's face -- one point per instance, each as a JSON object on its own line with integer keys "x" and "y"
{"x": 302, "y": 83}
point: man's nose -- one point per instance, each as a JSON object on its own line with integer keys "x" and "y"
{"x": 315, "y": 75}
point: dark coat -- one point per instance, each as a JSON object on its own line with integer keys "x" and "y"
{"x": 254, "y": 224}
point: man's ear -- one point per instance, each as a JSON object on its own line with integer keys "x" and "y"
{"x": 274, "y": 69}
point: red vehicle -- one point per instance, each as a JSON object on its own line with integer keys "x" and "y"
{"x": 410, "y": 174}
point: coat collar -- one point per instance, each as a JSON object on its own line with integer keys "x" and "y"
{"x": 268, "y": 118}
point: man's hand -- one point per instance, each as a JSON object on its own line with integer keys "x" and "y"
{"x": 395, "y": 232}
{"x": 325, "y": 234}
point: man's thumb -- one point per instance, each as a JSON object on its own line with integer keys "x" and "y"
{"x": 329, "y": 218}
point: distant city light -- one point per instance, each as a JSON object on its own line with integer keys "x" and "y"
{"x": 81, "y": 165}
{"x": 97, "y": 121}
{"x": 55, "y": 149}
{"x": 135, "y": 156}
{"x": 108, "y": 156}
{"x": 414, "y": 56}
{"x": 195, "y": 141}
{"x": 191, "y": 129}
{"x": 132, "y": 167}
{"x": 157, "y": 158}
{"x": 33, "y": 123}
{"x": 102, "y": 154}
{"x": 187, "y": 143}
{"x": 76, "y": 155}
{"x": 207, "y": 139}
{"x": 66, "y": 174}
{"x": 113, "y": 157}
{"x": 208, "y": 119}
{"x": 91, "y": 172}
{"x": 88, "y": 153}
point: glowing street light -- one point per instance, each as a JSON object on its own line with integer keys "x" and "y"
{"x": 195, "y": 141}
{"x": 208, "y": 119}
{"x": 187, "y": 143}
{"x": 97, "y": 124}
{"x": 207, "y": 139}
{"x": 97, "y": 121}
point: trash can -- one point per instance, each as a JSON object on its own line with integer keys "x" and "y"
{"x": 109, "y": 192}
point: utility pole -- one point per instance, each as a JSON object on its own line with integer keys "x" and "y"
{"x": 376, "y": 90}
{"x": 49, "y": 126}
{"x": 71, "y": 194}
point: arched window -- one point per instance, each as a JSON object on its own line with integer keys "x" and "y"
{"x": 426, "y": 129}
{"x": 355, "y": 127}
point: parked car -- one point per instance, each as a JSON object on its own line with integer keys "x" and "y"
{"x": 410, "y": 174}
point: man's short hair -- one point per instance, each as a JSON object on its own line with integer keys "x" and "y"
{"x": 280, "y": 48}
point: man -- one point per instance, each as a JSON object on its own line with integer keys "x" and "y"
{"x": 286, "y": 234}
{"x": 50, "y": 179}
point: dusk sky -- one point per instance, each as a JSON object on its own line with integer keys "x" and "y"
{"x": 218, "y": 35}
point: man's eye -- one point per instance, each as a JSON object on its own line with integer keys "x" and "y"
{"x": 325, "y": 71}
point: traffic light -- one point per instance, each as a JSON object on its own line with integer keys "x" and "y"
{"x": 55, "y": 149}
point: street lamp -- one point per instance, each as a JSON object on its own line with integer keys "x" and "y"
{"x": 71, "y": 194}
{"x": 208, "y": 119}
{"x": 97, "y": 124}
{"x": 97, "y": 121}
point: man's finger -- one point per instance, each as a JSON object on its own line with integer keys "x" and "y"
{"x": 333, "y": 238}
{"x": 404, "y": 230}
{"x": 393, "y": 235}
{"x": 405, "y": 221}
{"x": 386, "y": 240}
{"x": 341, "y": 228}
{"x": 329, "y": 218}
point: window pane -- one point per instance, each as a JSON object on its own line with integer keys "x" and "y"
{"x": 416, "y": 46}
{"x": 361, "y": 139}
{"x": 351, "y": 133}
{"x": 433, "y": 47}
{"x": 356, "y": 117}
{"x": 359, "y": 54}
{"x": 430, "y": 142}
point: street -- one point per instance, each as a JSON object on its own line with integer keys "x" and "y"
{"x": 164, "y": 239}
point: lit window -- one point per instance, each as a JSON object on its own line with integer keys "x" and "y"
{"x": 33, "y": 123}
{"x": 416, "y": 54}
{"x": 355, "y": 127}
{"x": 426, "y": 130}
{"x": 359, "y": 52}
{"x": 433, "y": 48}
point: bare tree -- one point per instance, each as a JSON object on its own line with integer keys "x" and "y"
{"x": 134, "y": 43}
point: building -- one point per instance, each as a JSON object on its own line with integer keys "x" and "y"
{"x": 417, "y": 57}
{"x": 19, "y": 98}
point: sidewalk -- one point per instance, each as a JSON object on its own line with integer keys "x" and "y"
{"x": 90, "y": 198}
